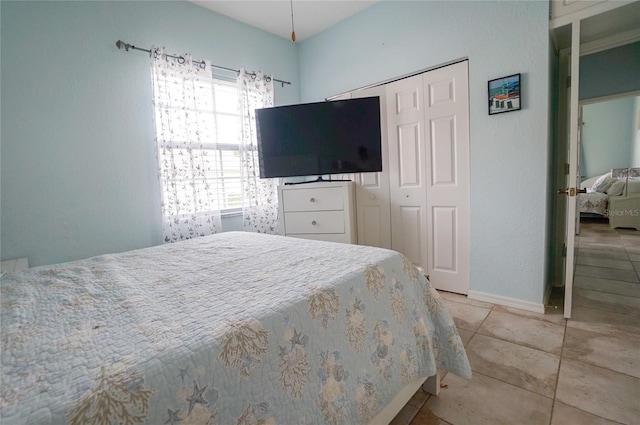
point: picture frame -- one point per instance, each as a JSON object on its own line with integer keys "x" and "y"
{"x": 504, "y": 94}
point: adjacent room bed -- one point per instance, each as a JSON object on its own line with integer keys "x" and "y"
{"x": 615, "y": 196}
{"x": 234, "y": 328}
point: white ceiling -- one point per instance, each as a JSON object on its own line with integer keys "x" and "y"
{"x": 314, "y": 16}
{"x": 310, "y": 17}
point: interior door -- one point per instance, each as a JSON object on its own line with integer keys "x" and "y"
{"x": 446, "y": 100}
{"x": 561, "y": 165}
{"x": 571, "y": 190}
{"x": 407, "y": 167}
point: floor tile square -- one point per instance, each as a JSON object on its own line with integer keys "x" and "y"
{"x": 631, "y": 239}
{"x": 605, "y": 263}
{"x": 608, "y": 302}
{"x": 618, "y": 354}
{"x": 426, "y": 417}
{"x": 601, "y": 392}
{"x": 607, "y": 273}
{"x": 485, "y": 400}
{"x": 465, "y": 336}
{"x": 525, "y": 367}
{"x": 599, "y": 253}
{"x": 601, "y": 246}
{"x": 568, "y": 415}
{"x": 632, "y": 249}
{"x": 607, "y": 285}
{"x": 538, "y": 334}
{"x": 466, "y": 316}
{"x": 604, "y": 322}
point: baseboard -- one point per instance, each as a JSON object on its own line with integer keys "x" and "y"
{"x": 506, "y": 301}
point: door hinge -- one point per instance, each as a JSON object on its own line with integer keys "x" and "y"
{"x": 566, "y": 168}
{"x": 564, "y": 250}
{"x": 568, "y": 80}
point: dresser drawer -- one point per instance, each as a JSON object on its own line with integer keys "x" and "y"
{"x": 317, "y": 199}
{"x": 314, "y": 222}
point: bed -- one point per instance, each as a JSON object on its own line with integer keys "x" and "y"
{"x": 200, "y": 332}
{"x": 614, "y": 195}
{"x": 595, "y": 202}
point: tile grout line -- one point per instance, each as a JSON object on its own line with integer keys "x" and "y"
{"x": 603, "y": 368}
{"x": 474, "y": 334}
{"x": 523, "y": 345}
{"x": 555, "y": 391}
{"x": 516, "y": 386}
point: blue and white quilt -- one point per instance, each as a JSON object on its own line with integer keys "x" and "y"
{"x": 234, "y": 328}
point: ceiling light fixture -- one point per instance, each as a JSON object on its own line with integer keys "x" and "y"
{"x": 293, "y": 31}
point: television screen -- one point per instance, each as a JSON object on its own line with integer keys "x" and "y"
{"x": 336, "y": 137}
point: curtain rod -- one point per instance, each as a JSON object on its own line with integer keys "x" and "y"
{"x": 122, "y": 45}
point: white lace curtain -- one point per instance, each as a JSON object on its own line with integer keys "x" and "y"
{"x": 260, "y": 196}
{"x": 187, "y": 167}
{"x": 189, "y": 200}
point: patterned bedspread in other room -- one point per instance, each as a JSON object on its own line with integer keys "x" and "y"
{"x": 234, "y": 328}
{"x": 594, "y": 203}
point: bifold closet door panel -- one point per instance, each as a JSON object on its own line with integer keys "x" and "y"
{"x": 446, "y": 101}
{"x": 407, "y": 168}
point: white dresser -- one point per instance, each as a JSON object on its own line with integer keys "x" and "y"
{"x": 319, "y": 210}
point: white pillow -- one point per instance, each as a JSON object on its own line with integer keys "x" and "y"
{"x": 616, "y": 188}
{"x": 603, "y": 183}
{"x": 586, "y": 184}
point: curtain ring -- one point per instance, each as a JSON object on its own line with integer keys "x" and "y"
{"x": 181, "y": 60}
{"x": 253, "y": 76}
{"x": 268, "y": 78}
{"x": 203, "y": 65}
{"x": 156, "y": 53}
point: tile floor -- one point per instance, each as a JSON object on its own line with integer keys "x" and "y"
{"x": 534, "y": 369}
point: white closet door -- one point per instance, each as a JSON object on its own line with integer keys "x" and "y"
{"x": 372, "y": 189}
{"x": 407, "y": 165}
{"x": 446, "y": 100}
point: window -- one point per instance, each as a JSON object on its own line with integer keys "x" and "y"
{"x": 200, "y": 146}
{"x": 207, "y": 155}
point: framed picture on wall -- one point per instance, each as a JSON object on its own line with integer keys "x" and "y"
{"x": 504, "y": 94}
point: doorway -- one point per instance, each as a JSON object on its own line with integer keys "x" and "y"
{"x": 607, "y": 270}
{"x": 581, "y": 35}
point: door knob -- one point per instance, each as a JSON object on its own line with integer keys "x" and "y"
{"x": 572, "y": 191}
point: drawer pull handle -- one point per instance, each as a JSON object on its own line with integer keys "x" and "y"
{"x": 313, "y": 222}
{"x": 312, "y": 200}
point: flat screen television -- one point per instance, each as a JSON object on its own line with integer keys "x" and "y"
{"x": 314, "y": 139}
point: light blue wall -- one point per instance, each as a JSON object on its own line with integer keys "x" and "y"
{"x": 78, "y": 171}
{"x": 608, "y": 136}
{"x": 509, "y": 152}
